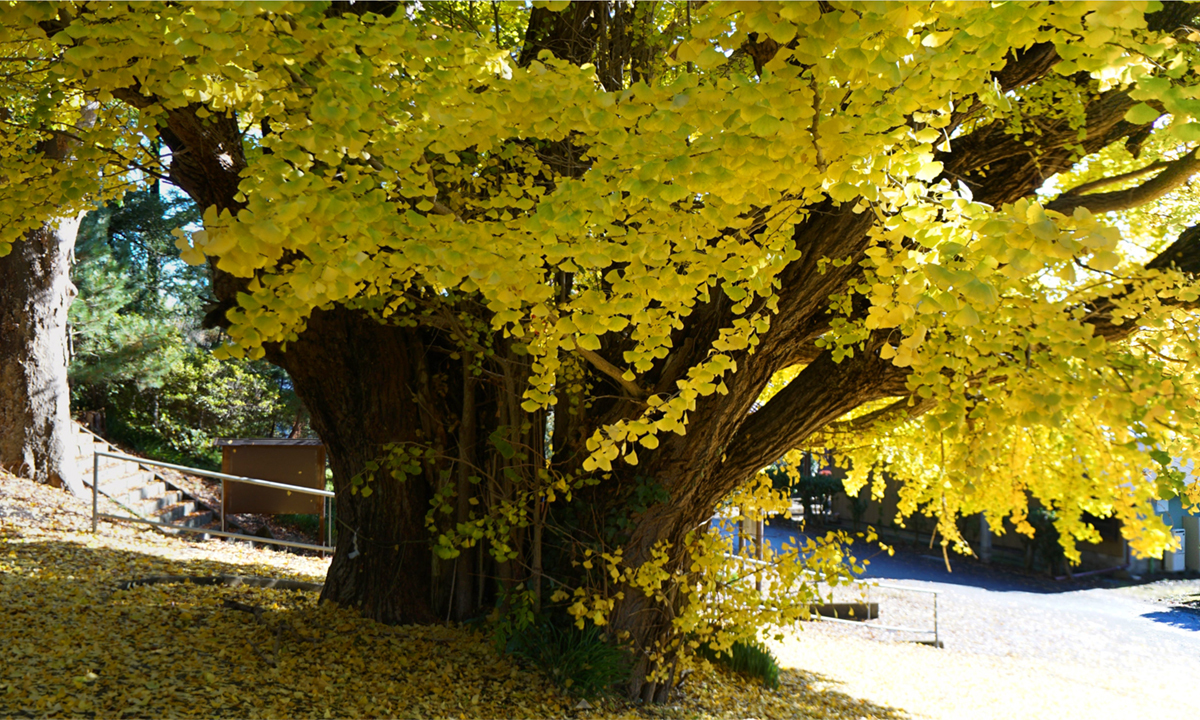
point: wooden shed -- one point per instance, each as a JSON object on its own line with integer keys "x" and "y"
{"x": 299, "y": 461}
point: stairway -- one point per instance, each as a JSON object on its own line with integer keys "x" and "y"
{"x": 135, "y": 487}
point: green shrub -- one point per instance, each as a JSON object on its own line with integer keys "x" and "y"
{"x": 581, "y": 661}
{"x": 748, "y": 658}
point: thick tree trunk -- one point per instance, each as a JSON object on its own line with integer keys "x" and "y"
{"x": 36, "y": 436}
{"x": 35, "y": 413}
{"x": 370, "y": 386}
{"x": 365, "y": 385}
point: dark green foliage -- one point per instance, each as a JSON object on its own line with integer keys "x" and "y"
{"x": 202, "y": 399}
{"x": 581, "y": 661}
{"x": 751, "y": 659}
{"x": 139, "y": 352}
{"x": 128, "y": 322}
{"x": 1044, "y": 543}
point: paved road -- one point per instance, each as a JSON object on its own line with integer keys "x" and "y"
{"x": 995, "y": 611}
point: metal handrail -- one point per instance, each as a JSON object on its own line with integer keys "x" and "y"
{"x": 869, "y": 585}
{"x": 96, "y": 514}
{"x": 905, "y": 587}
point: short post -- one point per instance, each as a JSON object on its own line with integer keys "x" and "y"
{"x": 95, "y": 488}
{"x": 222, "y": 504}
{"x": 936, "y": 642}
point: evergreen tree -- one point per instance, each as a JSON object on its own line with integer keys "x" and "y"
{"x": 139, "y": 352}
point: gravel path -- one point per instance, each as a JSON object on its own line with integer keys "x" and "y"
{"x": 1014, "y": 646}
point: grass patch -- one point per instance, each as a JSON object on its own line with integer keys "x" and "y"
{"x": 579, "y": 661}
{"x": 751, "y": 659}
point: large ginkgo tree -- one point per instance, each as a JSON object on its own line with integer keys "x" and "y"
{"x": 532, "y": 269}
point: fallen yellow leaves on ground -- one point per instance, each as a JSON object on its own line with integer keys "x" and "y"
{"x": 72, "y": 644}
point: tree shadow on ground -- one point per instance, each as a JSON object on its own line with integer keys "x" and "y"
{"x": 919, "y": 562}
{"x": 817, "y": 691}
{"x": 801, "y": 694}
{"x": 1184, "y": 618}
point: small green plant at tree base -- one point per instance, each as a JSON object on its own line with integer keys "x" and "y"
{"x": 513, "y": 617}
{"x": 748, "y": 658}
{"x": 579, "y": 660}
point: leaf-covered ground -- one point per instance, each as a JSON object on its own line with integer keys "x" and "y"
{"x": 72, "y": 644}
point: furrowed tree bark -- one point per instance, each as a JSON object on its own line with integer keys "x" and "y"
{"x": 36, "y": 436}
{"x": 358, "y": 378}
{"x": 363, "y": 383}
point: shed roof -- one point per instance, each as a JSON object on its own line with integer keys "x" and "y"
{"x": 286, "y": 442}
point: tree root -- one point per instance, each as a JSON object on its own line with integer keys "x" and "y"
{"x": 278, "y": 628}
{"x": 227, "y": 580}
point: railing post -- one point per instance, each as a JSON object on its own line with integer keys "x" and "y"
{"x": 935, "y": 627}
{"x": 222, "y": 504}
{"x": 329, "y": 521}
{"x": 95, "y": 486}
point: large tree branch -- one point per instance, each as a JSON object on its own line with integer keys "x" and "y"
{"x": 1172, "y": 17}
{"x": 828, "y": 390}
{"x": 1000, "y": 167}
{"x": 905, "y": 406}
{"x": 822, "y": 392}
{"x": 1094, "y": 185}
{"x": 1182, "y": 255}
{"x": 1174, "y": 174}
{"x": 630, "y": 387}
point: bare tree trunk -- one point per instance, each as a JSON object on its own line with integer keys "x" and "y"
{"x": 36, "y": 437}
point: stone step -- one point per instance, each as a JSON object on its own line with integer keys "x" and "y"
{"x": 116, "y": 486}
{"x": 197, "y": 519}
{"x": 155, "y": 490}
{"x": 83, "y": 451}
{"x": 112, "y": 469}
{"x": 150, "y": 506}
{"x": 174, "y": 513}
{"x": 88, "y": 443}
{"x": 106, "y": 464}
